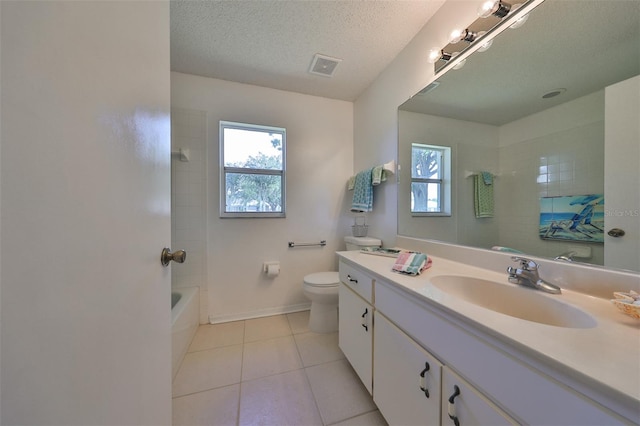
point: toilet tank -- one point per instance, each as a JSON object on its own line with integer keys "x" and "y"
{"x": 357, "y": 243}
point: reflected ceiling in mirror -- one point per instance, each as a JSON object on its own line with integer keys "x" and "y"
{"x": 580, "y": 46}
{"x": 573, "y": 47}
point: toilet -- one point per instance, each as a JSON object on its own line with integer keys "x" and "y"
{"x": 322, "y": 289}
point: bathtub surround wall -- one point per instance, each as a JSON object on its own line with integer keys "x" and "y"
{"x": 184, "y": 323}
{"x": 189, "y": 201}
{"x": 319, "y": 163}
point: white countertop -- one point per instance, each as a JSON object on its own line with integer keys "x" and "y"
{"x": 606, "y": 356}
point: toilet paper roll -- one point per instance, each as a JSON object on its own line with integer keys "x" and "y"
{"x": 273, "y": 270}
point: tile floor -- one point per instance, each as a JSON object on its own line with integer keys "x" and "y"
{"x": 269, "y": 371}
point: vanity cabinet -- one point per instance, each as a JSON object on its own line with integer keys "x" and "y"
{"x": 406, "y": 377}
{"x": 498, "y": 382}
{"x": 355, "y": 322}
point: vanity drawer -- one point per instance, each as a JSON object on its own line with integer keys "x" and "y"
{"x": 357, "y": 280}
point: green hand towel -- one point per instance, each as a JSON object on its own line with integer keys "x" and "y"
{"x": 482, "y": 197}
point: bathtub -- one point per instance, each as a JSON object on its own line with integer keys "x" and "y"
{"x": 185, "y": 318}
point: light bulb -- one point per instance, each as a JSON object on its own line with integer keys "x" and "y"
{"x": 460, "y": 64}
{"x": 456, "y": 36}
{"x": 494, "y": 7}
{"x": 434, "y": 56}
{"x": 460, "y": 35}
{"x": 486, "y": 45}
{"x": 519, "y": 22}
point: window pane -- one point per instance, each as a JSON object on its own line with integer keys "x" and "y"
{"x": 425, "y": 162}
{"x": 425, "y": 197}
{"x": 247, "y": 192}
{"x": 252, "y": 148}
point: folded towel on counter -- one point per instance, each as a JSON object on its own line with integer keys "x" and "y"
{"x": 482, "y": 196}
{"x": 411, "y": 263}
{"x": 363, "y": 192}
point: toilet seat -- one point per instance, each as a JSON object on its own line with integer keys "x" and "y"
{"x": 322, "y": 279}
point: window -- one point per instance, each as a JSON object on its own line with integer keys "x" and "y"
{"x": 430, "y": 180}
{"x": 252, "y": 170}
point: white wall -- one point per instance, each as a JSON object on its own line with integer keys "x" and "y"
{"x": 319, "y": 163}
{"x": 375, "y": 111}
{"x": 622, "y": 141}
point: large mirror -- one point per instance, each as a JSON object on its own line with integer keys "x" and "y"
{"x": 530, "y": 113}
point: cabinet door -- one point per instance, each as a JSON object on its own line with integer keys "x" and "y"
{"x": 355, "y": 322}
{"x": 406, "y": 377}
{"x": 463, "y": 405}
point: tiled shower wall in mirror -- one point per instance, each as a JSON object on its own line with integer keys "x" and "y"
{"x": 557, "y": 152}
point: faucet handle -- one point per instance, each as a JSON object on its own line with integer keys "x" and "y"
{"x": 526, "y": 264}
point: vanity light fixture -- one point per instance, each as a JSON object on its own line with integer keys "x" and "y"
{"x": 496, "y": 8}
{"x": 462, "y": 35}
{"x": 437, "y": 54}
{"x": 490, "y": 8}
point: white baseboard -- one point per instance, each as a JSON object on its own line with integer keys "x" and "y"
{"x": 217, "y": 319}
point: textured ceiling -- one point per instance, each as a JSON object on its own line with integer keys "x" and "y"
{"x": 271, "y": 43}
{"x": 578, "y": 45}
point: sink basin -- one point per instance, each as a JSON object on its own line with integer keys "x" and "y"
{"x": 519, "y": 302}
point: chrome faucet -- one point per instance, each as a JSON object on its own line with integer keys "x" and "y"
{"x": 527, "y": 275}
{"x": 567, "y": 256}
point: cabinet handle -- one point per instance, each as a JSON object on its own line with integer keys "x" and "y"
{"x": 364, "y": 319}
{"x": 452, "y": 407}
{"x": 423, "y": 380}
{"x": 352, "y": 280}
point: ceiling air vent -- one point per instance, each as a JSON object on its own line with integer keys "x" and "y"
{"x": 324, "y": 65}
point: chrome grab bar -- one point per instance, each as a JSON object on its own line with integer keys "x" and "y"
{"x": 321, "y": 243}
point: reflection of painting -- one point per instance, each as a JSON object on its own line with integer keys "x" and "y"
{"x": 576, "y": 217}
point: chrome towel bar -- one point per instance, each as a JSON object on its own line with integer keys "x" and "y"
{"x": 321, "y": 243}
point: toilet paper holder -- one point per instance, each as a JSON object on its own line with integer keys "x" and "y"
{"x": 272, "y": 269}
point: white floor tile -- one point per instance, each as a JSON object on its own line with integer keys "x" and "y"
{"x": 338, "y": 391}
{"x": 373, "y": 418}
{"x": 268, "y": 357}
{"x": 317, "y": 348}
{"x": 211, "y": 336}
{"x": 213, "y": 407}
{"x": 284, "y": 399}
{"x": 266, "y": 328}
{"x": 208, "y": 369}
{"x": 299, "y": 322}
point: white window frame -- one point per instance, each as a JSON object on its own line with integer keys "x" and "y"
{"x": 272, "y": 172}
{"x": 443, "y": 182}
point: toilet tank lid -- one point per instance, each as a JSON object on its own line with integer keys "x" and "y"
{"x": 363, "y": 241}
{"x": 322, "y": 279}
